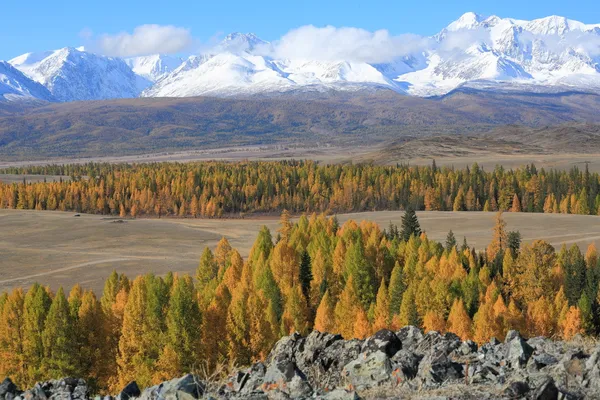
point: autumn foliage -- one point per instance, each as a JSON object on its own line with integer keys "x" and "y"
{"x": 353, "y": 279}
{"x": 215, "y": 189}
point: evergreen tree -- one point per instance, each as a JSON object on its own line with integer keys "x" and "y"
{"x": 305, "y": 275}
{"x": 396, "y": 289}
{"x": 450, "y": 241}
{"x": 410, "y": 225}
{"x": 514, "y": 242}
{"x": 587, "y": 315}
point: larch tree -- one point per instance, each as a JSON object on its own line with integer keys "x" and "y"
{"x": 35, "y": 310}
{"x": 434, "y": 321}
{"x": 572, "y": 325}
{"x": 57, "y": 338}
{"x": 207, "y": 269}
{"x": 345, "y": 310}
{"x": 539, "y": 318}
{"x": 381, "y": 317}
{"x": 499, "y": 238}
{"x": 12, "y": 355}
{"x": 262, "y": 245}
{"x": 285, "y": 266}
{"x": 459, "y": 321}
{"x": 321, "y": 272}
{"x": 261, "y": 333}
{"x": 183, "y": 322}
{"x": 362, "y": 327}
{"x": 223, "y": 255}
{"x": 238, "y": 327}
{"x": 214, "y": 344}
{"x": 408, "y": 309}
{"x": 92, "y": 352}
{"x": 325, "y": 318}
{"x": 134, "y": 361}
{"x": 357, "y": 266}
{"x": 295, "y": 313}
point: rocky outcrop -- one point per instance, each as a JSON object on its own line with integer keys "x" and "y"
{"x": 406, "y": 364}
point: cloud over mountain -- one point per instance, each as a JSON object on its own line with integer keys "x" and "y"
{"x": 145, "y": 40}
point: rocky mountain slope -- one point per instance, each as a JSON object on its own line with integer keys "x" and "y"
{"x": 407, "y": 364}
{"x": 488, "y": 53}
{"x": 14, "y": 85}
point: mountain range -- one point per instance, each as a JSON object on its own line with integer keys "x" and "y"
{"x": 552, "y": 54}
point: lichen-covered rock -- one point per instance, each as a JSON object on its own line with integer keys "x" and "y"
{"x": 369, "y": 370}
{"x": 188, "y": 387}
{"x": 410, "y": 336}
{"x": 407, "y": 363}
{"x": 517, "y": 350}
{"x": 285, "y": 377}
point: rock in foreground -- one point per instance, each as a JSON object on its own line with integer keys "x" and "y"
{"x": 406, "y": 364}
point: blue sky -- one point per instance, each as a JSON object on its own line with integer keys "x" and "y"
{"x": 37, "y": 25}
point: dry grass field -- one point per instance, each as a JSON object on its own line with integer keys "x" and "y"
{"x": 56, "y": 248}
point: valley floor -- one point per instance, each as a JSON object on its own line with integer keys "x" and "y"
{"x": 61, "y": 249}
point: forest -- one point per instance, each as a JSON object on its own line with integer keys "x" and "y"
{"x": 219, "y": 189}
{"x": 353, "y": 279}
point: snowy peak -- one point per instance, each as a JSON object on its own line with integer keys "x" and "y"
{"x": 153, "y": 67}
{"x": 468, "y": 20}
{"x": 71, "y": 74}
{"x": 14, "y": 85}
{"x": 240, "y": 43}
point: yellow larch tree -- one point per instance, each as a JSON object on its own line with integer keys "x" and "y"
{"x": 459, "y": 321}
{"x": 325, "y": 318}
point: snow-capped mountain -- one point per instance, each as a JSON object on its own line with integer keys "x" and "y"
{"x": 14, "y": 85}
{"x": 490, "y": 53}
{"x": 72, "y": 74}
{"x": 552, "y": 51}
{"x": 153, "y": 67}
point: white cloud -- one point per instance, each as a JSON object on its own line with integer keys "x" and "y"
{"x": 145, "y": 39}
{"x": 350, "y": 44}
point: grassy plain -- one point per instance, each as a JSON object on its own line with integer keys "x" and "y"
{"x": 58, "y": 248}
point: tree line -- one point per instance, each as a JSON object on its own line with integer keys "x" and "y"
{"x": 353, "y": 279}
{"x": 215, "y": 189}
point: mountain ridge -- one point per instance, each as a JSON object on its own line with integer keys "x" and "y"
{"x": 493, "y": 52}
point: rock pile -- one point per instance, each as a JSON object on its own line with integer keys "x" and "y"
{"x": 407, "y": 364}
